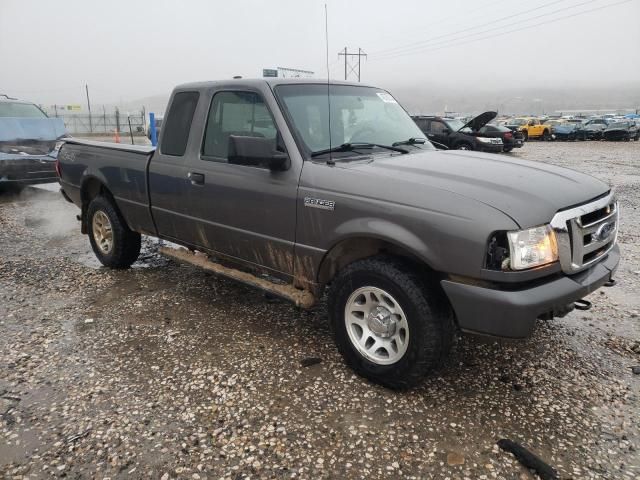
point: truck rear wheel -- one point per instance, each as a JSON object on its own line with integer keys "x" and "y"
{"x": 114, "y": 244}
{"x": 391, "y": 325}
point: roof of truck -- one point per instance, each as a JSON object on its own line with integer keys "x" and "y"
{"x": 257, "y": 82}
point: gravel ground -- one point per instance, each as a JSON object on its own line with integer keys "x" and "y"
{"x": 164, "y": 371}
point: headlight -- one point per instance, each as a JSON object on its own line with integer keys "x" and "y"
{"x": 532, "y": 247}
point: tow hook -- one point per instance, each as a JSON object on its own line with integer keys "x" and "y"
{"x": 582, "y": 304}
{"x": 610, "y": 283}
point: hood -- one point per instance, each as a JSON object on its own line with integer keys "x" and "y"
{"x": 528, "y": 192}
{"x": 30, "y": 136}
{"x": 43, "y": 129}
{"x": 480, "y": 121}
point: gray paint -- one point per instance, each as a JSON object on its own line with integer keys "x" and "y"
{"x": 441, "y": 207}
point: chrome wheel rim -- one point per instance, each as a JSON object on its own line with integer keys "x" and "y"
{"x": 102, "y": 232}
{"x": 376, "y": 325}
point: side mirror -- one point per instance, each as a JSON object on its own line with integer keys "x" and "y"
{"x": 256, "y": 152}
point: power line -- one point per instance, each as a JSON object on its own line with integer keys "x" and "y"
{"x": 447, "y": 19}
{"x": 524, "y": 20}
{"x": 402, "y": 47}
{"x": 506, "y": 32}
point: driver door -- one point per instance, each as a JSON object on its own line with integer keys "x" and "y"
{"x": 245, "y": 213}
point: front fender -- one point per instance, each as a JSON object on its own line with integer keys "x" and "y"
{"x": 380, "y": 229}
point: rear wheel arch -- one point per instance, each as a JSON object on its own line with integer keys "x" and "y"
{"x": 91, "y": 188}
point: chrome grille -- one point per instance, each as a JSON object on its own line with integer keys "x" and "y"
{"x": 586, "y": 233}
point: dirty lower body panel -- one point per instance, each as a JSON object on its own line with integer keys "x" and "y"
{"x": 300, "y": 298}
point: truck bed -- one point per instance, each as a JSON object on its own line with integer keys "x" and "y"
{"x": 122, "y": 167}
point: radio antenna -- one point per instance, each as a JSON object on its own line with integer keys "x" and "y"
{"x": 326, "y": 37}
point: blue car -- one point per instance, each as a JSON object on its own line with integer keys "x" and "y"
{"x": 568, "y": 131}
{"x": 29, "y": 143}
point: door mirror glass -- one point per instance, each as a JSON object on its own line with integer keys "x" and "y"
{"x": 256, "y": 152}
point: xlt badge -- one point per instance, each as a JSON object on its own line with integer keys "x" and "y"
{"x": 319, "y": 203}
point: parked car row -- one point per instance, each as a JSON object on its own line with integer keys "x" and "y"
{"x": 476, "y": 134}
{"x": 563, "y": 128}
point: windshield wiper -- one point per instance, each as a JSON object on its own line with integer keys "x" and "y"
{"x": 410, "y": 141}
{"x": 350, "y": 147}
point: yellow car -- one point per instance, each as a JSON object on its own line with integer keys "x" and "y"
{"x": 531, "y": 128}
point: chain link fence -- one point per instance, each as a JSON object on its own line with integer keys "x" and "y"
{"x": 103, "y": 123}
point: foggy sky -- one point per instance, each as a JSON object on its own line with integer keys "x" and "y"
{"x": 129, "y": 50}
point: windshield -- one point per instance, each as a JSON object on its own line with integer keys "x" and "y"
{"x": 619, "y": 125}
{"x": 358, "y": 115}
{"x": 519, "y": 122}
{"x": 20, "y": 110}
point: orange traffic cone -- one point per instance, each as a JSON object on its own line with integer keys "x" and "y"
{"x": 117, "y": 136}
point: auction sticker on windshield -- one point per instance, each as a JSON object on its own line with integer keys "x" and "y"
{"x": 386, "y": 97}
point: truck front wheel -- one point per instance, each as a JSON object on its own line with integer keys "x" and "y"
{"x": 391, "y": 324}
{"x": 115, "y": 245}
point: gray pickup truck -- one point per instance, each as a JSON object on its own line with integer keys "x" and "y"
{"x": 301, "y": 187}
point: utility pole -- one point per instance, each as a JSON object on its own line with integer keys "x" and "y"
{"x": 350, "y": 65}
{"x": 86, "y": 87}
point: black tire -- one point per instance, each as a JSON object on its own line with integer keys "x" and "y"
{"x": 428, "y": 314}
{"x": 507, "y": 149}
{"x": 525, "y": 134}
{"x": 546, "y": 136}
{"x": 125, "y": 243}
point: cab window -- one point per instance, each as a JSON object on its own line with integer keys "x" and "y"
{"x": 239, "y": 114}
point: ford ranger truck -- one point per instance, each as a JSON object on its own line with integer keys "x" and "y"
{"x": 302, "y": 188}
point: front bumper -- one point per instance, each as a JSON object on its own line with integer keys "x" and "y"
{"x": 490, "y": 147}
{"x": 514, "y": 143}
{"x": 513, "y": 313}
{"x": 27, "y": 170}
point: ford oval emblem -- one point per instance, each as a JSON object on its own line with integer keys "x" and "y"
{"x": 604, "y": 231}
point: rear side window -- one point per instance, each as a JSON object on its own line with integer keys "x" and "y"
{"x": 239, "y": 114}
{"x": 178, "y": 123}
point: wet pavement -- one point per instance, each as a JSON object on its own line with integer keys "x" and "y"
{"x": 165, "y": 371}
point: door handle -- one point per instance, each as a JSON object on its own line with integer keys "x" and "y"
{"x": 196, "y": 178}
